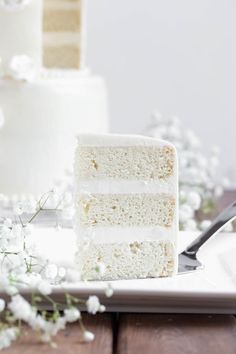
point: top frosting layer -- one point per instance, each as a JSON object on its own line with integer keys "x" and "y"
{"x": 120, "y": 140}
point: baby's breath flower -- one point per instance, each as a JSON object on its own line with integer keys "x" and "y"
{"x": 109, "y": 291}
{"x": 185, "y": 213}
{"x": 88, "y": 336}
{"x": 11, "y": 290}
{"x": 102, "y": 308}
{"x": 51, "y": 271}
{"x": 205, "y": 224}
{"x": 93, "y": 304}
{"x": 44, "y": 288}
{"x": 18, "y": 209}
{"x": 72, "y": 314}
{"x": 194, "y": 200}
{"x": 20, "y": 308}
{"x": 197, "y": 170}
{"x": 7, "y": 336}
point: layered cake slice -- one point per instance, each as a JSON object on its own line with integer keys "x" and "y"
{"x": 126, "y": 207}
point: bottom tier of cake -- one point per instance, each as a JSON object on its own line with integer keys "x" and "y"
{"x": 126, "y": 260}
{"x": 42, "y": 118}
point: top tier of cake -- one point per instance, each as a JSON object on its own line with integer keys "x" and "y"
{"x": 50, "y": 32}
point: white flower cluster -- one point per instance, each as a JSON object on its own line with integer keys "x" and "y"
{"x": 22, "y": 268}
{"x": 198, "y": 183}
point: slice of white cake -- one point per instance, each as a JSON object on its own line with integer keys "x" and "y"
{"x": 126, "y": 207}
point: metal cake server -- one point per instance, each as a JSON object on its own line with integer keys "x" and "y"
{"x": 188, "y": 261}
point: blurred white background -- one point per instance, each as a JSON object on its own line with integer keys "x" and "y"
{"x": 176, "y": 56}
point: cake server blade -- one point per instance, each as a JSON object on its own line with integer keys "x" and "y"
{"x": 188, "y": 261}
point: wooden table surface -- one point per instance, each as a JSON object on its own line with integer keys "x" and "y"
{"x": 143, "y": 333}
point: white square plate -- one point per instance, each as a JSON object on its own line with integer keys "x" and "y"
{"x": 212, "y": 290}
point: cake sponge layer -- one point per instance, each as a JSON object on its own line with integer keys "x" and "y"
{"x": 127, "y": 260}
{"x": 125, "y": 209}
{"x": 61, "y": 20}
{"x": 67, "y": 56}
{"x": 127, "y": 163}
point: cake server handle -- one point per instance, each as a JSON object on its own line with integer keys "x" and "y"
{"x": 227, "y": 215}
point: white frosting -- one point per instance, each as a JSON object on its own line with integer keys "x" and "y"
{"x": 21, "y": 32}
{"x": 126, "y": 234}
{"x": 70, "y": 74}
{"x": 55, "y": 39}
{"x": 120, "y": 140}
{"x": 127, "y": 186}
{"x": 42, "y": 118}
{"x": 62, "y": 4}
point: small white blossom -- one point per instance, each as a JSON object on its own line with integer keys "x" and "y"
{"x": 109, "y": 291}
{"x": 93, "y": 304}
{"x": 22, "y": 67}
{"x": 102, "y": 308}
{"x": 72, "y": 314}
{"x": 218, "y": 191}
{"x": 7, "y": 336}
{"x": 18, "y": 209}
{"x": 61, "y": 272}
{"x": 185, "y": 213}
{"x": 44, "y": 288}
{"x": 51, "y": 271}
{"x": 190, "y": 225}
{"x": 194, "y": 200}
{"x": 88, "y": 336}
{"x": 205, "y": 224}
{"x": 11, "y": 290}
{"x": 225, "y": 182}
{"x": 20, "y": 308}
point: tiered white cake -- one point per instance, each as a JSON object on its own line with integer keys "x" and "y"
{"x": 44, "y": 108}
{"x": 126, "y": 207}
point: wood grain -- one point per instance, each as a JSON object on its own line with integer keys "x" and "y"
{"x": 68, "y": 341}
{"x": 176, "y": 334}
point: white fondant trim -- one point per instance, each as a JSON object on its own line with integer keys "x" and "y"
{"x": 69, "y": 74}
